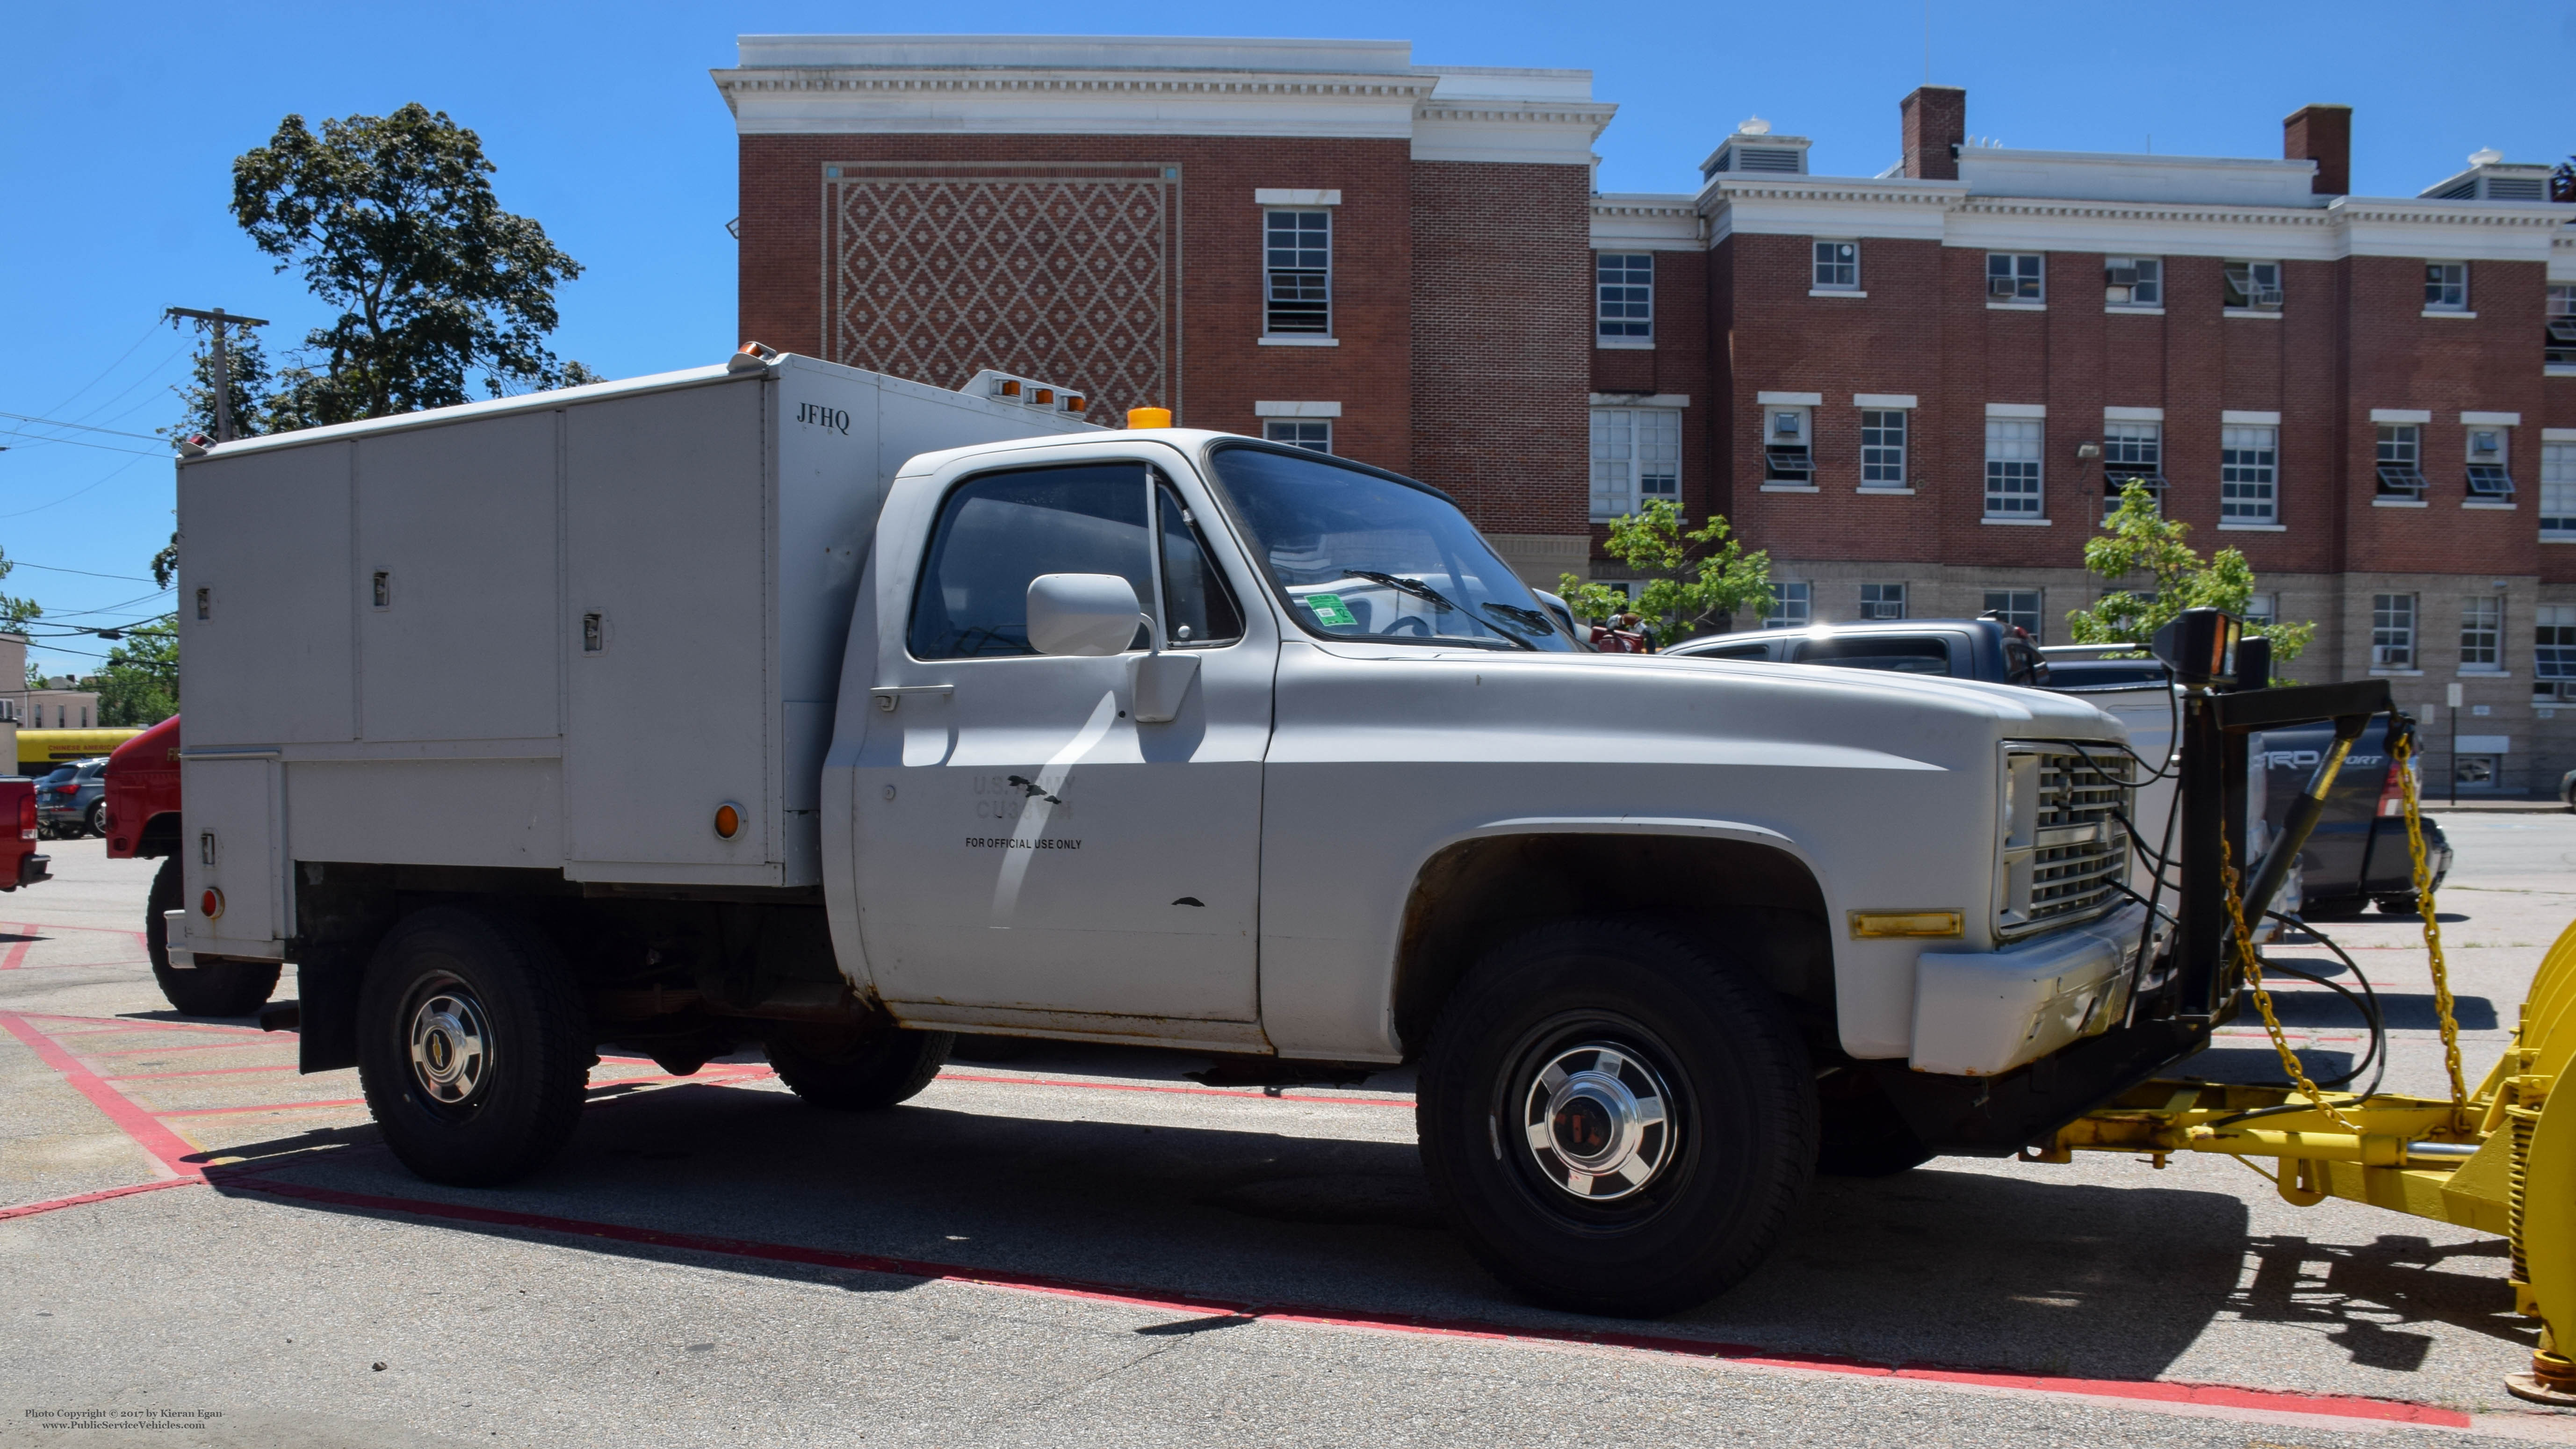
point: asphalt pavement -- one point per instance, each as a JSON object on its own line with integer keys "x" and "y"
{"x": 1085, "y": 1246}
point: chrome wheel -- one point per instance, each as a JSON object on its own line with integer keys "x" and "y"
{"x": 450, "y": 1038}
{"x": 1598, "y": 1121}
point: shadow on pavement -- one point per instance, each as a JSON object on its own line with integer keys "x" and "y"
{"x": 1939, "y": 1266}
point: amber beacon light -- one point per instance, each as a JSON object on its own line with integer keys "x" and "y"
{"x": 1149, "y": 417}
{"x": 728, "y": 820}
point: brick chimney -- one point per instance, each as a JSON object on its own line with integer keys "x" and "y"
{"x": 2322, "y": 134}
{"x": 1936, "y": 124}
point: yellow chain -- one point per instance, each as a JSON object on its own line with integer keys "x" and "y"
{"x": 2403, "y": 750}
{"x": 2290, "y": 1063}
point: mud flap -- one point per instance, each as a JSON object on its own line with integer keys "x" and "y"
{"x": 327, "y": 984}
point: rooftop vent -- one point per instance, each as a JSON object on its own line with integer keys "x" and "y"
{"x": 2491, "y": 178}
{"x": 1754, "y": 149}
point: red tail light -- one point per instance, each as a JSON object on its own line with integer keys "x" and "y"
{"x": 27, "y": 816}
{"x": 2392, "y": 791}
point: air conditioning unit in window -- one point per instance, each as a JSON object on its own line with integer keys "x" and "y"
{"x": 2000, "y": 287}
{"x": 2121, "y": 276}
{"x": 2267, "y": 297}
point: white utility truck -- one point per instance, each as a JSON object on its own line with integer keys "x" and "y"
{"x": 781, "y": 703}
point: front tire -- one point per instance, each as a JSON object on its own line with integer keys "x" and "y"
{"x": 860, "y": 1071}
{"x": 1614, "y": 1120}
{"x": 211, "y": 988}
{"x": 473, "y": 1046}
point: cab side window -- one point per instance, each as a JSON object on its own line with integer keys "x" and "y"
{"x": 998, "y": 531}
{"x": 1197, "y": 609}
{"x": 1905, "y": 655}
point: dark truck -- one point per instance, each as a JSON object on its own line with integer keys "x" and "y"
{"x": 2358, "y": 852}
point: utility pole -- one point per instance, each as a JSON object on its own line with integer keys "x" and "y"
{"x": 218, "y": 320}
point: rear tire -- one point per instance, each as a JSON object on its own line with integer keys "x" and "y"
{"x": 1614, "y": 1120}
{"x": 94, "y": 820}
{"x": 211, "y": 988}
{"x": 858, "y": 1072}
{"x": 473, "y": 1046}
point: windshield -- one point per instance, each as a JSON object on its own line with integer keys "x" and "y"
{"x": 1362, "y": 556}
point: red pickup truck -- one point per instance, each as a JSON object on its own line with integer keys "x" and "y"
{"x": 142, "y": 820}
{"x": 19, "y": 863}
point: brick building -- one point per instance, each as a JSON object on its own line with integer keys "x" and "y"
{"x": 1914, "y": 389}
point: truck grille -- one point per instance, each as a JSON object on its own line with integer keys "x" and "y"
{"x": 2065, "y": 852}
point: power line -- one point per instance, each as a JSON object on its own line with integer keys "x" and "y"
{"x": 148, "y": 329}
{"x": 19, "y": 563}
{"x": 112, "y": 475}
{"x": 84, "y": 427}
{"x": 39, "y": 439}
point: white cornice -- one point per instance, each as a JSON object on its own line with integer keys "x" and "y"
{"x": 1544, "y": 132}
{"x": 792, "y": 100}
{"x": 1646, "y": 223}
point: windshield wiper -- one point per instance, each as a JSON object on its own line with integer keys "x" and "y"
{"x": 1420, "y": 590}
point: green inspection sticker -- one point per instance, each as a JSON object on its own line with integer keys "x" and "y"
{"x": 1330, "y": 613}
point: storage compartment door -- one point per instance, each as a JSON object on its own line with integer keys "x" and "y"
{"x": 232, "y": 845}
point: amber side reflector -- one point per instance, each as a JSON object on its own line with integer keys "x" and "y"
{"x": 728, "y": 821}
{"x": 1045, "y": 397}
{"x": 1871, "y": 925}
{"x": 211, "y": 904}
{"x": 1149, "y": 417}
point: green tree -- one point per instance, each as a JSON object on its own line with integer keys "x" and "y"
{"x": 392, "y": 220}
{"x": 2138, "y": 539}
{"x": 14, "y": 611}
{"x": 1692, "y": 578}
{"x": 140, "y": 684}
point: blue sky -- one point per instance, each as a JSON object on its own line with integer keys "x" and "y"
{"x": 120, "y": 125}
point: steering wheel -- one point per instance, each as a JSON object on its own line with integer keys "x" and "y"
{"x": 1419, "y": 626}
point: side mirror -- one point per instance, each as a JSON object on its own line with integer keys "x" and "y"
{"x": 1087, "y": 614}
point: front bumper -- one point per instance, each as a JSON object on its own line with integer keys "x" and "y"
{"x": 1980, "y": 1013}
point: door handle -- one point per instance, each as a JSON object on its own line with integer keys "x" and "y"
{"x": 888, "y": 696}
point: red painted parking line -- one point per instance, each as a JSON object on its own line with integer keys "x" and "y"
{"x": 199, "y": 1046}
{"x": 127, "y": 1023}
{"x": 167, "y": 1147}
{"x": 16, "y": 956}
{"x": 2146, "y": 1391}
{"x": 200, "y": 1072}
{"x": 263, "y": 1107}
{"x": 1257, "y": 1096}
{"x": 30, "y": 1209}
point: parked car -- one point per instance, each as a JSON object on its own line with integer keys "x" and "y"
{"x": 69, "y": 800}
{"x": 2358, "y": 853}
{"x": 2567, "y": 789}
{"x": 20, "y": 865}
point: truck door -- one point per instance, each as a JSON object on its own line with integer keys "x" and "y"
{"x": 1024, "y": 842}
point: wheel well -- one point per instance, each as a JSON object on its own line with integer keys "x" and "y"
{"x": 1756, "y": 904}
{"x": 160, "y": 835}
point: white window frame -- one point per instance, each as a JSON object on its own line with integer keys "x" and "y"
{"x": 2558, "y": 490}
{"x": 2558, "y": 339}
{"x": 1636, "y": 459}
{"x": 2256, "y": 284}
{"x": 2553, "y": 650}
{"x": 2020, "y": 441}
{"x": 2132, "y": 449}
{"x": 2401, "y": 449}
{"x": 1876, "y": 598}
{"x": 2249, "y": 473}
{"x": 1775, "y": 470}
{"x": 2144, "y": 291}
{"x": 1886, "y": 443}
{"x": 1623, "y": 329}
{"x": 2027, "y": 285}
{"x": 1830, "y": 272}
{"x": 2446, "y": 286}
{"x": 2490, "y": 448}
{"x": 1272, "y": 273}
{"x": 1313, "y": 434}
{"x": 2392, "y": 631}
{"x": 2482, "y": 635}
{"x": 2262, "y": 610}
{"x": 2010, "y": 608}
{"x": 1793, "y": 605}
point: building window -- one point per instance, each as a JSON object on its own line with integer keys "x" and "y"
{"x": 1312, "y": 434}
{"x": 2553, "y": 662}
{"x": 1636, "y": 460}
{"x": 2559, "y": 342}
{"x": 2132, "y": 453}
{"x": 2013, "y": 277}
{"x": 1882, "y": 601}
{"x": 1882, "y": 448}
{"x": 2012, "y": 467}
{"x": 1788, "y": 454}
{"x": 2490, "y": 464}
{"x": 2017, "y": 607}
{"x": 2477, "y": 772}
{"x": 2248, "y": 467}
{"x": 2558, "y": 490}
{"x": 2446, "y": 286}
{"x": 2392, "y": 631}
{"x": 1297, "y": 257}
{"x": 2401, "y": 461}
{"x": 1837, "y": 266}
{"x": 2251, "y": 286}
{"x": 2482, "y": 635}
{"x": 1624, "y": 295}
{"x": 2134, "y": 281}
{"x": 1792, "y": 606}
{"x": 2262, "y": 610}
